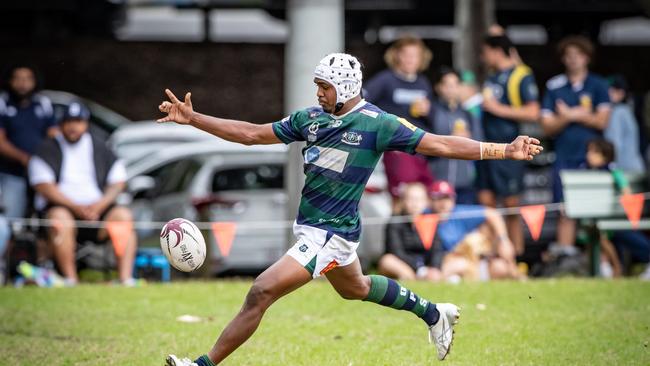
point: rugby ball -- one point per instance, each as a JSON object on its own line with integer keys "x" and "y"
{"x": 183, "y": 244}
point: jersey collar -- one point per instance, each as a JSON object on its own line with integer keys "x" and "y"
{"x": 361, "y": 103}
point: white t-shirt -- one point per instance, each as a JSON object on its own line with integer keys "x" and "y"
{"x": 78, "y": 180}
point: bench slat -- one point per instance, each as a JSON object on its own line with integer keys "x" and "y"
{"x": 622, "y": 225}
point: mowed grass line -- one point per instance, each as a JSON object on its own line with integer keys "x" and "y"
{"x": 554, "y": 322}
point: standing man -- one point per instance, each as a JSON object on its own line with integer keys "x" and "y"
{"x": 26, "y": 119}
{"x": 345, "y": 138}
{"x": 509, "y": 99}
{"x": 575, "y": 110}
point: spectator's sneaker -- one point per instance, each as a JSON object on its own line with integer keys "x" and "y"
{"x": 172, "y": 360}
{"x": 134, "y": 282}
{"x": 43, "y": 277}
{"x": 645, "y": 276}
{"x": 441, "y": 334}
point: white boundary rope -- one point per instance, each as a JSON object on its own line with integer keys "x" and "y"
{"x": 285, "y": 224}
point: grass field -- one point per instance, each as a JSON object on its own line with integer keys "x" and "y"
{"x": 563, "y": 322}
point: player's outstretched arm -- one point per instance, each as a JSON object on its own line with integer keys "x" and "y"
{"x": 232, "y": 130}
{"x": 454, "y": 147}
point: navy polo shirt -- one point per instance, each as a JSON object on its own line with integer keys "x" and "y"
{"x": 514, "y": 87}
{"x": 571, "y": 143}
{"x": 25, "y": 127}
{"x": 393, "y": 94}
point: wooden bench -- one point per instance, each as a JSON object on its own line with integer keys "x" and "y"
{"x": 592, "y": 198}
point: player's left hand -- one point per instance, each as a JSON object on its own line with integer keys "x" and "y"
{"x": 523, "y": 148}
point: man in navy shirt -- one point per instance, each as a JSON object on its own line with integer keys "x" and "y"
{"x": 26, "y": 118}
{"x": 575, "y": 110}
{"x": 509, "y": 99}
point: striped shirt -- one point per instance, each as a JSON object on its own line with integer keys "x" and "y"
{"x": 340, "y": 155}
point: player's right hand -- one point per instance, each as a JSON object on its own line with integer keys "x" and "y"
{"x": 177, "y": 111}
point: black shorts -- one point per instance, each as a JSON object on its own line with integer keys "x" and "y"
{"x": 84, "y": 234}
{"x": 504, "y": 178}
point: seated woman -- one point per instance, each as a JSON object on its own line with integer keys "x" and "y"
{"x": 406, "y": 257}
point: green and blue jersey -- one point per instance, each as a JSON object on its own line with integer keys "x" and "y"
{"x": 340, "y": 155}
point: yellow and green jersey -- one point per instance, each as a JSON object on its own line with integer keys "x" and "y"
{"x": 340, "y": 155}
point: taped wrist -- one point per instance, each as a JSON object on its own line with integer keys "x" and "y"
{"x": 492, "y": 151}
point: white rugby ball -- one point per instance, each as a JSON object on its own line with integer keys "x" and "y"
{"x": 183, "y": 244}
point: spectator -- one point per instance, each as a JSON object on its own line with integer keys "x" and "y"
{"x": 470, "y": 95}
{"x": 509, "y": 99}
{"x": 469, "y": 233}
{"x": 26, "y": 118}
{"x": 406, "y": 258}
{"x": 449, "y": 118}
{"x": 623, "y": 129}
{"x": 601, "y": 156}
{"x": 575, "y": 110}
{"x": 77, "y": 177}
{"x": 497, "y": 30}
{"x": 403, "y": 91}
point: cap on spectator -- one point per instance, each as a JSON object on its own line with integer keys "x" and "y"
{"x": 442, "y": 189}
{"x": 618, "y": 81}
{"x": 75, "y": 111}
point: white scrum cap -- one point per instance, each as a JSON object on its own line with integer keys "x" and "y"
{"x": 343, "y": 71}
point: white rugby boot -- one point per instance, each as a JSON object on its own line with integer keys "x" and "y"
{"x": 441, "y": 334}
{"x": 172, "y": 360}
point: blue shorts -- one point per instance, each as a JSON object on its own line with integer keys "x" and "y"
{"x": 559, "y": 165}
{"x": 504, "y": 178}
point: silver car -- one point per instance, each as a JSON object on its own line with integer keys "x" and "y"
{"x": 137, "y": 140}
{"x": 223, "y": 181}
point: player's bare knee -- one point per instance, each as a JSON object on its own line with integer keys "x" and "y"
{"x": 259, "y": 297}
{"x": 357, "y": 291}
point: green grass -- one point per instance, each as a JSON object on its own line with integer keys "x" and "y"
{"x": 563, "y": 322}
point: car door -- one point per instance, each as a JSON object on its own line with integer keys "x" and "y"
{"x": 251, "y": 195}
{"x": 172, "y": 197}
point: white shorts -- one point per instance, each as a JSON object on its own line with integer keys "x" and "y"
{"x": 319, "y": 255}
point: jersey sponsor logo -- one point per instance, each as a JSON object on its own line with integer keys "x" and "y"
{"x": 311, "y": 155}
{"x": 335, "y": 123}
{"x": 351, "y": 138}
{"x": 585, "y": 101}
{"x": 492, "y": 90}
{"x": 313, "y": 128}
{"x": 408, "y": 96}
{"x": 407, "y": 124}
{"x": 557, "y": 82}
{"x": 326, "y": 158}
{"x": 313, "y": 114}
{"x": 368, "y": 113}
{"x": 303, "y": 248}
